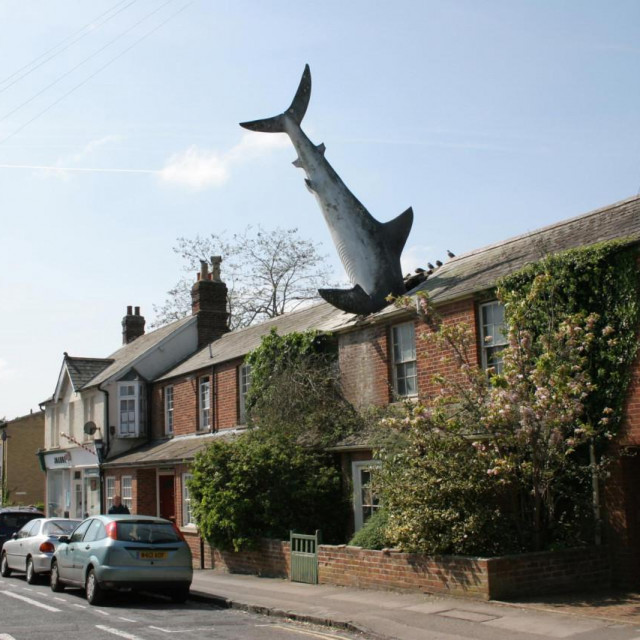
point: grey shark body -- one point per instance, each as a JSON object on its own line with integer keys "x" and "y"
{"x": 369, "y": 250}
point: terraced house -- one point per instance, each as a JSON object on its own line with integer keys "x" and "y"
{"x": 160, "y": 399}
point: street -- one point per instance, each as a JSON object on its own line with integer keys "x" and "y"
{"x": 36, "y": 613}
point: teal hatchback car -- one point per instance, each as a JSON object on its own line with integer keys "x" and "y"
{"x": 123, "y": 552}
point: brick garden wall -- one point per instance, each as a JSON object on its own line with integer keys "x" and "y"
{"x": 506, "y": 577}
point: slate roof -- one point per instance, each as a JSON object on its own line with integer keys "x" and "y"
{"x": 129, "y": 353}
{"x": 236, "y": 344}
{"x": 170, "y": 450}
{"x": 480, "y": 269}
{"x": 82, "y": 370}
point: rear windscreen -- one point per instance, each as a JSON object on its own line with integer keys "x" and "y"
{"x": 147, "y": 532}
{"x": 59, "y": 527}
{"x": 15, "y": 521}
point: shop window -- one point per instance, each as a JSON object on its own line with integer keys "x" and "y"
{"x": 403, "y": 358}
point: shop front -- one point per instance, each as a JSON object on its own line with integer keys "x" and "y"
{"x": 73, "y": 483}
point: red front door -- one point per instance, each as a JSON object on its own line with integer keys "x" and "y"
{"x": 167, "y": 497}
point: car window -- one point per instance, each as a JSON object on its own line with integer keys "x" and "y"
{"x": 77, "y": 535}
{"x": 10, "y": 522}
{"x": 148, "y": 532}
{"x": 96, "y": 531}
{"x": 59, "y": 527}
{"x": 29, "y": 529}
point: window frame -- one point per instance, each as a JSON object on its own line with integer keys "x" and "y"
{"x": 204, "y": 412}
{"x": 138, "y": 399}
{"x": 109, "y": 490}
{"x": 487, "y": 342}
{"x": 187, "y": 513}
{"x": 397, "y": 363}
{"x": 127, "y": 500}
{"x": 244, "y": 382}
{"x": 358, "y": 506}
{"x": 169, "y": 391}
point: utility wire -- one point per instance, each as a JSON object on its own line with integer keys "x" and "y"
{"x": 89, "y": 57}
{"x": 53, "y": 55}
{"x": 95, "y": 73}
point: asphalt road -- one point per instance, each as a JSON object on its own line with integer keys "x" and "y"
{"x": 36, "y": 613}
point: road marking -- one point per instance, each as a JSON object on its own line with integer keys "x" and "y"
{"x": 317, "y": 634}
{"x": 35, "y": 603}
{"x": 126, "y": 619}
{"x": 117, "y": 632}
{"x": 6, "y": 636}
{"x": 60, "y": 599}
{"x": 80, "y": 606}
{"x": 102, "y": 613}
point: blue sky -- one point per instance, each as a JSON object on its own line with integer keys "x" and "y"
{"x": 490, "y": 118}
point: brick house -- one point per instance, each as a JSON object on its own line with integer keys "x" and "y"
{"x": 22, "y": 479}
{"x": 100, "y": 407}
{"x": 382, "y": 360}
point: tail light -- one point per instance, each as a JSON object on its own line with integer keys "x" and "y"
{"x": 178, "y": 532}
{"x": 112, "y": 530}
{"x": 47, "y": 547}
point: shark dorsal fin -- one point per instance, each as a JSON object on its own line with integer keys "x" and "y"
{"x": 396, "y": 231}
{"x": 321, "y": 148}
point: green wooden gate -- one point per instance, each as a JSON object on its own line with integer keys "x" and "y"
{"x": 304, "y": 557}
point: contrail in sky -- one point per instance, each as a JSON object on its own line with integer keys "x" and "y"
{"x": 83, "y": 169}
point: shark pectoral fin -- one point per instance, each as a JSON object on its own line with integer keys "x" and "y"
{"x": 297, "y": 163}
{"x": 309, "y": 185}
{"x": 350, "y": 300}
{"x": 396, "y": 231}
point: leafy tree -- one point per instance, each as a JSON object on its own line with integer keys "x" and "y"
{"x": 267, "y": 274}
{"x": 295, "y": 388}
{"x": 264, "y": 485}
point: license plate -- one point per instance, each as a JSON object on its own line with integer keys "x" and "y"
{"x": 152, "y": 555}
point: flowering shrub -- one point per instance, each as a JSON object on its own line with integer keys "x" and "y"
{"x": 498, "y": 462}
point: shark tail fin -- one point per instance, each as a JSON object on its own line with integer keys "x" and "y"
{"x": 354, "y": 300}
{"x": 296, "y": 111}
{"x": 396, "y": 231}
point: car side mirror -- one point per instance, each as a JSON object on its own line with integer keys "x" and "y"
{"x": 63, "y": 539}
{"x": 14, "y": 536}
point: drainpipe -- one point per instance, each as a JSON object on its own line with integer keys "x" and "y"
{"x": 107, "y": 446}
{"x": 596, "y": 494}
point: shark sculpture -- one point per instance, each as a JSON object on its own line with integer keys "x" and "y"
{"x": 369, "y": 250}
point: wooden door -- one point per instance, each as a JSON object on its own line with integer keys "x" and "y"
{"x": 167, "y": 494}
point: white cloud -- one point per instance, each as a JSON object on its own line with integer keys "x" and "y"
{"x": 202, "y": 168}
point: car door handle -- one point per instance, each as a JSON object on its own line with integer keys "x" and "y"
{"x": 88, "y": 546}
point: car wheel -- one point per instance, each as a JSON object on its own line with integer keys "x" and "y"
{"x": 180, "y": 595}
{"x": 32, "y": 576}
{"x": 95, "y": 593}
{"x": 55, "y": 583}
{"x": 5, "y": 572}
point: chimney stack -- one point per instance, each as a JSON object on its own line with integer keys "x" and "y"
{"x": 132, "y": 325}
{"x": 209, "y": 302}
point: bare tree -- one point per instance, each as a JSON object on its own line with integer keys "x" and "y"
{"x": 267, "y": 274}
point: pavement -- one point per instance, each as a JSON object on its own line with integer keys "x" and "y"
{"x": 405, "y": 616}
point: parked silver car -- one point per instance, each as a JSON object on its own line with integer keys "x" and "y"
{"x": 124, "y": 552}
{"x": 31, "y": 548}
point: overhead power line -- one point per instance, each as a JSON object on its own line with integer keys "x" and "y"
{"x": 90, "y": 27}
{"x": 95, "y": 73}
{"x": 89, "y": 57}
